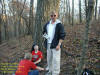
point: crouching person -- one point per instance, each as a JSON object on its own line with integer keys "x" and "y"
{"x": 26, "y": 65}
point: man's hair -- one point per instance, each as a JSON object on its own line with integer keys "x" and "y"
{"x": 52, "y": 12}
{"x": 28, "y": 56}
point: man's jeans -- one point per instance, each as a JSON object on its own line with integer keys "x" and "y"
{"x": 53, "y": 60}
{"x": 34, "y": 72}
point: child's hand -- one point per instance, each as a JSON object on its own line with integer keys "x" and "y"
{"x": 42, "y": 69}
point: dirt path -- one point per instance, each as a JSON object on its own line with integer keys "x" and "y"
{"x": 13, "y": 51}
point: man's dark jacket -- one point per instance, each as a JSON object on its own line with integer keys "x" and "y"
{"x": 59, "y": 34}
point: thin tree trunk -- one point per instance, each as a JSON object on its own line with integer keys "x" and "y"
{"x": 5, "y": 22}
{"x": 66, "y": 19}
{"x": 72, "y": 12}
{"x": 96, "y": 10}
{"x": 19, "y": 20}
{"x": 80, "y": 14}
{"x": 69, "y": 18}
{"x": 86, "y": 8}
{"x": 85, "y": 42}
{"x": 19, "y": 25}
{"x": 30, "y": 26}
{"x": 38, "y": 20}
{"x": 0, "y": 29}
{"x": 99, "y": 13}
{"x": 0, "y": 25}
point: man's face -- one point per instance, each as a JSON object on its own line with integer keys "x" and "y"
{"x": 53, "y": 16}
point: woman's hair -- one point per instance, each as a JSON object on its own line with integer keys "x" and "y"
{"x": 28, "y": 56}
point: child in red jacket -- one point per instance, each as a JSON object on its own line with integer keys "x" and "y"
{"x": 27, "y": 67}
{"x": 36, "y": 55}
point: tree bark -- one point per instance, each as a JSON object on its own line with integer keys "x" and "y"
{"x": 69, "y": 18}
{"x": 96, "y": 10}
{"x": 0, "y": 29}
{"x": 5, "y": 20}
{"x": 99, "y": 12}
{"x": 72, "y": 12}
{"x": 85, "y": 41}
{"x": 80, "y": 14}
{"x": 30, "y": 26}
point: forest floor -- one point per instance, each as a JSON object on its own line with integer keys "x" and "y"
{"x": 12, "y": 51}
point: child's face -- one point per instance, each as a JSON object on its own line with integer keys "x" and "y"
{"x": 36, "y": 47}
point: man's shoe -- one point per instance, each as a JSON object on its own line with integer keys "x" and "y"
{"x": 47, "y": 69}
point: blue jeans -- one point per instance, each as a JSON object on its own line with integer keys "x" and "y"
{"x": 34, "y": 72}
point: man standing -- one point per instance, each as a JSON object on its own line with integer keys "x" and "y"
{"x": 54, "y": 33}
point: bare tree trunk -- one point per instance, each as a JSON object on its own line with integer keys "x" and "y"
{"x": 80, "y": 14}
{"x": 99, "y": 13}
{"x": 69, "y": 18}
{"x": 66, "y": 19}
{"x": 85, "y": 42}
{"x": 30, "y": 18}
{"x": 91, "y": 4}
{"x": 0, "y": 29}
{"x": 38, "y": 23}
{"x": 19, "y": 19}
{"x": 96, "y": 10}
{"x": 5, "y": 21}
{"x": 0, "y": 25}
{"x": 72, "y": 12}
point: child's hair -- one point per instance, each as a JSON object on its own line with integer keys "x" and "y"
{"x": 28, "y": 56}
{"x": 33, "y": 47}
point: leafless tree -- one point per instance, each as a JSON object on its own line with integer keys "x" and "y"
{"x": 80, "y": 14}
{"x": 72, "y": 12}
{"x": 89, "y": 13}
{"x": 96, "y": 9}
